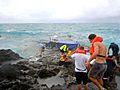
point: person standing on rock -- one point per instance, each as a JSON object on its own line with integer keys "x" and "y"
{"x": 115, "y": 50}
{"x": 98, "y": 52}
{"x": 41, "y": 50}
{"x": 112, "y": 59}
{"x": 80, "y": 67}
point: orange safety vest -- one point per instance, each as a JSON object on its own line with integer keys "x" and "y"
{"x": 63, "y": 57}
{"x": 96, "y": 39}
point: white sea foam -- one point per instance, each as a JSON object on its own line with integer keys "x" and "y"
{"x": 10, "y": 30}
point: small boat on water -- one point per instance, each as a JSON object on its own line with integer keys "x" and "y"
{"x": 56, "y": 41}
{"x": 57, "y": 44}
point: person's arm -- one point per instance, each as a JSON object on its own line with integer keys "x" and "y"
{"x": 72, "y": 58}
{"x": 117, "y": 65}
{"x": 96, "y": 51}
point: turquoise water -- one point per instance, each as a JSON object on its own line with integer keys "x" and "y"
{"x": 24, "y": 38}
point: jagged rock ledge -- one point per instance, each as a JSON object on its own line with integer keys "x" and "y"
{"x": 8, "y": 55}
{"x": 39, "y": 73}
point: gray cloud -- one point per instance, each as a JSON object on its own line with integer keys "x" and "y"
{"x": 59, "y": 11}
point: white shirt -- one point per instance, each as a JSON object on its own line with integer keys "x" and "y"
{"x": 80, "y": 60}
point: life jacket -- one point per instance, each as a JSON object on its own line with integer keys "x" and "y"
{"x": 96, "y": 39}
{"x": 80, "y": 51}
{"x": 64, "y": 56}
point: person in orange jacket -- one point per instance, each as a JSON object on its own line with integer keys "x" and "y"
{"x": 98, "y": 52}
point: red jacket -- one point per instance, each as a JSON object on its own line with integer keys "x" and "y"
{"x": 80, "y": 51}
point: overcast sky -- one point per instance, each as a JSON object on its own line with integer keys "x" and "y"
{"x": 14, "y": 11}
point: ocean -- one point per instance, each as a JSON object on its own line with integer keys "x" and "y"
{"x": 25, "y": 38}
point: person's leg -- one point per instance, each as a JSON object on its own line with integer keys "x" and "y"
{"x": 95, "y": 81}
{"x": 112, "y": 71}
{"x": 86, "y": 87}
{"x": 102, "y": 73}
{"x": 93, "y": 73}
{"x": 85, "y": 80}
{"x": 79, "y": 86}
{"x": 106, "y": 79}
{"x": 78, "y": 79}
{"x": 100, "y": 81}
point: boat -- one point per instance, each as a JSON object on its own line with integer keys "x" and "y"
{"x": 57, "y": 40}
{"x": 58, "y": 43}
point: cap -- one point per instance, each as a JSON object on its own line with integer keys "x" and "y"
{"x": 64, "y": 48}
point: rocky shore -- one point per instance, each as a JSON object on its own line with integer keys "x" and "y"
{"x": 38, "y": 73}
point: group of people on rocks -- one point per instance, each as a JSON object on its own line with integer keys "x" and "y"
{"x": 104, "y": 62}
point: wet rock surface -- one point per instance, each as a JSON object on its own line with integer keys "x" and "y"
{"x": 7, "y": 55}
{"x": 39, "y": 73}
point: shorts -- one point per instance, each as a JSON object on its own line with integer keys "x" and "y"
{"x": 81, "y": 77}
{"x": 97, "y": 70}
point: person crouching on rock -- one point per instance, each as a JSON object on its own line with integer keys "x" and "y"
{"x": 64, "y": 54}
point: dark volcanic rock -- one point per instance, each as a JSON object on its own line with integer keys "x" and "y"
{"x": 8, "y": 54}
{"x": 44, "y": 73}
{"x": 9, "y": 72}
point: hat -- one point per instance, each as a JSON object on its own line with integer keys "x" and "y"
{"x": 64, "y": 48}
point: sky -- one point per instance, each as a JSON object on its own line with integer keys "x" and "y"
{"x": 41, "y": 11}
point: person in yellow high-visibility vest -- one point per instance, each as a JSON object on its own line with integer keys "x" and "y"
{"x": 65, "y": 53}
